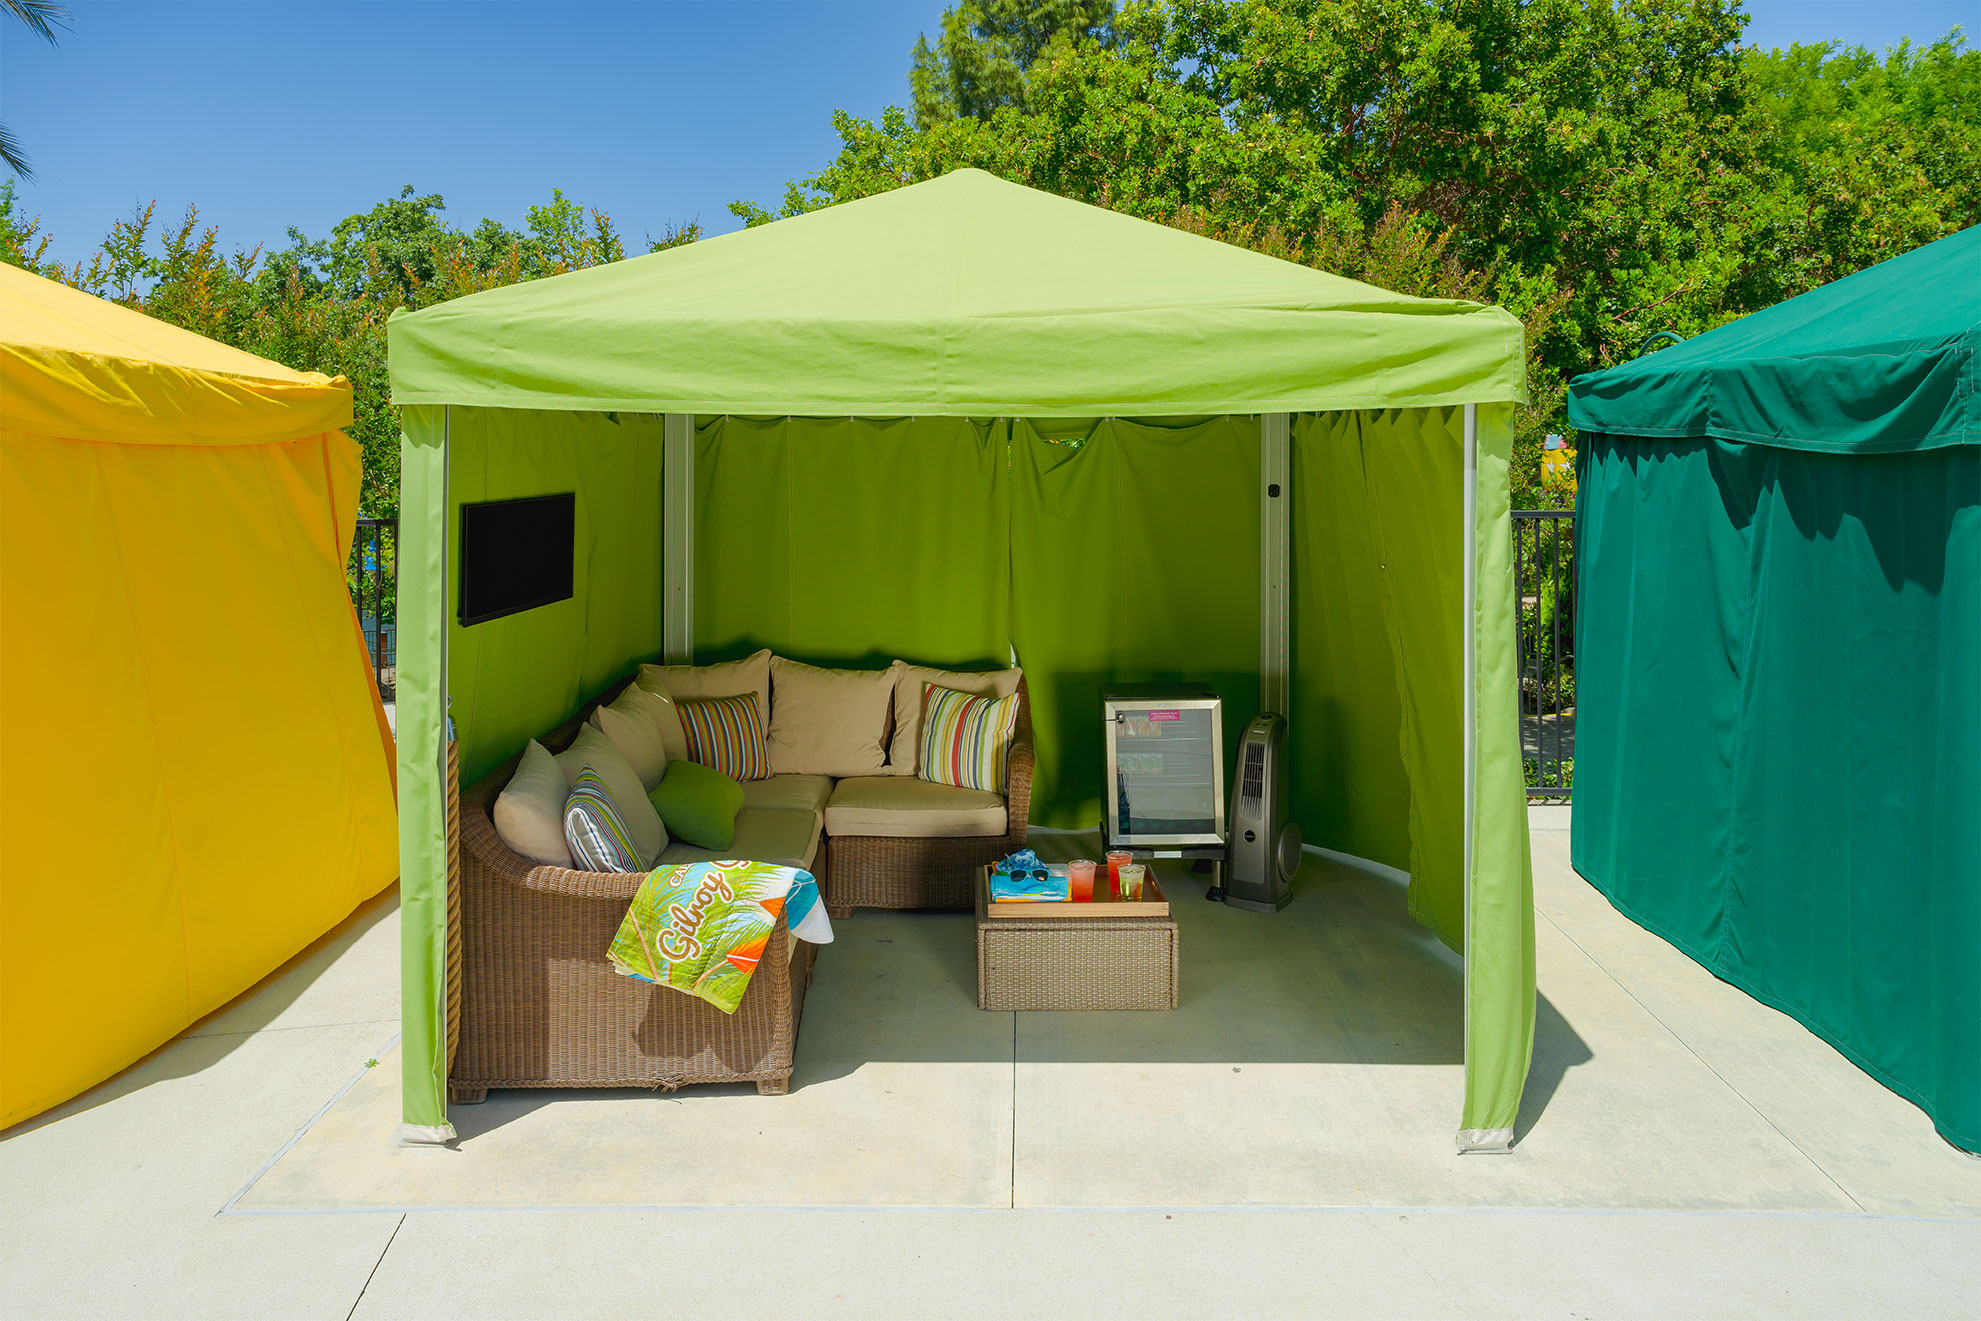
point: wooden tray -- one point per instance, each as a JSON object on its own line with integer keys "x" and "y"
{"x": 1153, "y": 903}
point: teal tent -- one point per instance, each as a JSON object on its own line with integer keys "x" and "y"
{"x": 852, "y": 434}
{"x": 1778, "y": 752}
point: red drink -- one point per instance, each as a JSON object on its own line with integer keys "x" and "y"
{"x": 1115, "y": 862}
{"x": 1080, "y": 881}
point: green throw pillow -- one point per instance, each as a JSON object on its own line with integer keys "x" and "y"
{"x": 698, "y": 804}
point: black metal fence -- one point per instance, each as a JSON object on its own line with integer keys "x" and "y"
{"x": 374, "y": 581}
{"x": 1544, "y": 578}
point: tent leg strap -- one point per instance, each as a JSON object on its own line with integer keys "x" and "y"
{"x": 426, "y": 1135}
{"x": 1485, "y": 1141}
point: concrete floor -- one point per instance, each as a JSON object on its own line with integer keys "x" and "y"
{"x": 1280, "y": 1141}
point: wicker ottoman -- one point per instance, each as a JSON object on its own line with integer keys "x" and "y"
{"x": 1073, "y": 963}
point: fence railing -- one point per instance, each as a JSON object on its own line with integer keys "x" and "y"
{"x": 374, "y": 579}
{"x": 1544, "y": 578}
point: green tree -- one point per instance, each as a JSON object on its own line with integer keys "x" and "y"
{"x": 322, "y": 304}
{"x": 1602, "y": 169}
{"x": 979, "y": 61}
{"x": 40, "y": 18}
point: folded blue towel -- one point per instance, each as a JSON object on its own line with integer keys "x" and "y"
{"x": 1028, "y": 888}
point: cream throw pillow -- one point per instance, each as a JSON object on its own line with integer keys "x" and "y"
{"x": 646, "y": 729}
{"x": 529, "y": 812}
{"x": 592, "y": 748}
{"x": 828, "y": 722}
{"x": 727, "y": 679}
{"x": 910, "y": 681}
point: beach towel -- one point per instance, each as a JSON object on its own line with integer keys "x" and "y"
{"x": 702, "y": 927}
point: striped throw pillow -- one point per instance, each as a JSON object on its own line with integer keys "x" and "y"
{"x": 594, "y": 829}
{"x": 965, "y": 739}
{"x": 726, "y": 734}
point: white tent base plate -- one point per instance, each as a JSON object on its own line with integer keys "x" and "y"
{"x": 1485, "y": 1141}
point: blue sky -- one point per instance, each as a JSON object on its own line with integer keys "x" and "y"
{"x": 273, "y": 114}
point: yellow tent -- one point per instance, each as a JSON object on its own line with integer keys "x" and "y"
{"x": 194, "y": 767}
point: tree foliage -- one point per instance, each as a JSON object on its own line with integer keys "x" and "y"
{"x": 979, "y": 62}
{"x": 1604, "y": 170}
{"x": 41, "y": 18}
{"x": 321, "y": 304}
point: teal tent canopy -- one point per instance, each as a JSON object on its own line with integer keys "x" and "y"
{"x": 1778, "y": 760}
{"x": 1880, "y": 362}
{"x": 761, "y": 428}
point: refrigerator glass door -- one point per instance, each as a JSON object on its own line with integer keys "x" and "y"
{"x": 1166, "y": 773}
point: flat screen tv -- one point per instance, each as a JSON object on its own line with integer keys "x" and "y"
{"x": 516, "y": 555}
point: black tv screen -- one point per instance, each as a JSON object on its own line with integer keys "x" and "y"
{"x": 516, "y": 555}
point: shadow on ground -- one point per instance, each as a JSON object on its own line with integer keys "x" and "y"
{"x": 1344, "y": 975}
{"x": 216, "y": 1036}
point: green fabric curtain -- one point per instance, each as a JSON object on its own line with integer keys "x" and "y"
{"x": 421, "y": 730}
{"x": 1499, "y": 894}
{"x": 850, "y": 542}
{"x": 1778, "y": 764}
{"x": 512, "y": 678}
{"x": 1134, "y": 558}
{"x": 1379, "y": 701}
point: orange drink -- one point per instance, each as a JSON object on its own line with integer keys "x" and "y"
{"x": 1080, "y": 881}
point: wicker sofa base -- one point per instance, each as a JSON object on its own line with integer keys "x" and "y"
{"x": 870, "y": 871}
{"x": 668, "y": 1073}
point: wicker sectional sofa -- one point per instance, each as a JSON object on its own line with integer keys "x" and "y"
{"x": 539, "y": 1005}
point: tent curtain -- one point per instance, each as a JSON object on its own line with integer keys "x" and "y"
{"x": 1779, "y": 764}
{"x": 512, "y": 678}
{"x": 1134, "y": 558}
{"x": 849, "y": 541}
{"x": 180, "y": 609}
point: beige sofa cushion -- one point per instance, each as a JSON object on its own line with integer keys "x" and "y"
{"x": 592, "y": 748}
{"x": 529, "y": 812}
{"x": 727, "y": 679}
{"x": 646, "y": 729}
{"x": 828, "y": 722}
{"x": 901, "y": 808}
{"x": 910, "y": 680}
{"x": 788, "y": 839}
{"x": 788, "y": 793}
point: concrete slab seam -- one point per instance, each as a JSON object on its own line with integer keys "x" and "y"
{"x": 390, "y": 1239}
{"x": 310, "y": 1123}
{"x": 1239, "y": 1209}
{"x": 1707, "y": 1065}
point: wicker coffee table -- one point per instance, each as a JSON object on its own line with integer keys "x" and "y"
{"x": 1086, "y": 962}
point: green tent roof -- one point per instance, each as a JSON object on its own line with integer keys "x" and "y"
{"x": 1879, "y": 361}
{"x": 966, "y": 295}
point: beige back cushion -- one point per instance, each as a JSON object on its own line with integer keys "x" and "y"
{"x": 909, "y": 682}
{"x": 592, "y": 748}
{"x": 828, "y": 722}
{"x": 529, "y": 812}
{"x": 646, "y": 729}
{"x": 728, "y": 679}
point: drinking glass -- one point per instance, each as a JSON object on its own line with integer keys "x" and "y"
{"x": 1131, "y": 880}
{"x": 1116, "y": 860}
{"x": 1080, "y": 880}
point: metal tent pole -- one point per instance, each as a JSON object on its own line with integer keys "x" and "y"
{"x": 677, "y": 538}
{"x": 1275, "y": 633}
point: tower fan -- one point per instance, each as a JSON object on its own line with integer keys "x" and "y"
{"x": 1265, "y": 846}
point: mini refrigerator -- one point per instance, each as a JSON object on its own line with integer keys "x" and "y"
{"x": 1165, "y": 770}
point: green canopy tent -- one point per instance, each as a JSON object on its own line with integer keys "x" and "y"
{"x": 1778, "y": 765}
{"x": 942, "y": 423}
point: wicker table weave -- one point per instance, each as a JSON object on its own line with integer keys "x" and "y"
{"x": 1073, "y": 963}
